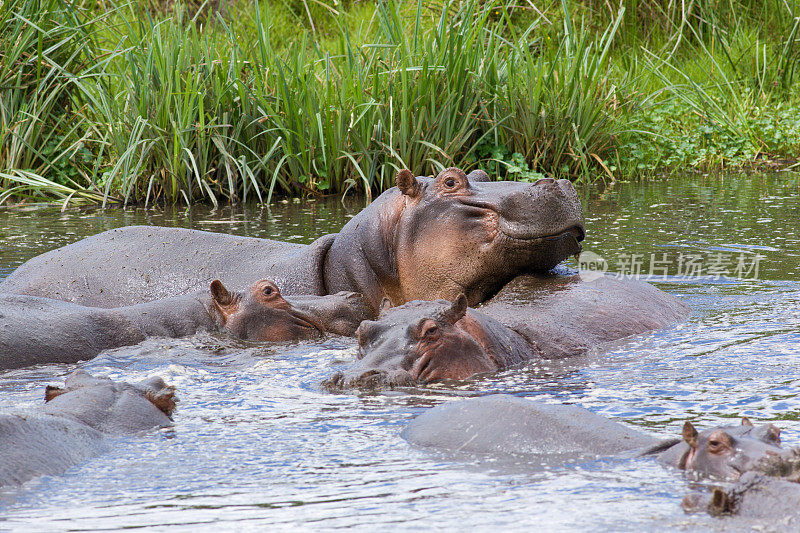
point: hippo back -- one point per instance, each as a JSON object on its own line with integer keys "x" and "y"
{"x": 33, "y": 444}
{"x": 138, "y": 264}
{"x": 562, "y": 316}
{"x": 502, "y": 425}
{"x": 42, "y": 330}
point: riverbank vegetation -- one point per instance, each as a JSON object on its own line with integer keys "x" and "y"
{"x": 155, "y": 101}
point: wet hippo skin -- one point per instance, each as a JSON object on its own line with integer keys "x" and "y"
{"x": 554, "y": 434}
{"x": 37, "y": 330}
{"x": 76, "y": 422}
{"x": 530, "y": 318}
{"x": 426, "y": 238}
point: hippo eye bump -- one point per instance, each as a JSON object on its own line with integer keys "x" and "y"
{"x": 430, "y": 331}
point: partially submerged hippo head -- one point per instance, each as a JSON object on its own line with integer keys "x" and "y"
{"x": 423, "y": 342}
{"x": 728, "y": 452}
{"x": 262, "y": 314}
{"x": 456, "y": 233}
{"x": 112, "y": 407}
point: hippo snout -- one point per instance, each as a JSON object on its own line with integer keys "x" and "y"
{"x": 546, "y": 208}
{"x": 369, "y": 380}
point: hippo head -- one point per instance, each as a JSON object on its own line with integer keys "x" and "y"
{"x": 418, "y": 342}
{"x": 262, "y": 314}
{"x": 110, "y": 406}
{"x": 432, "y": 238}
{"x": 728, "y": 452}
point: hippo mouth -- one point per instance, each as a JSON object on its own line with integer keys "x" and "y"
{"x": 370, "y": 380}
{"x": 575, "y": 232}
{"x": 306, "y": 321}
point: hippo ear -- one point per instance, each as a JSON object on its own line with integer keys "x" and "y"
{"x": 477, "y": 176}
{"x": 720, "y": 503}
{"x": 774, "y": 434}
{"x": 690, "y": 435}
{"x": 220, "y": 294}
{"x": 224, "y": 300}
{"x": 386, "y": 304}
{"x": 164, "y": 399}
{"x": 407, "y": 183}
{"x": 747, "y": 422}
{"x": 51, "y": 392}
{"x": 457, "y": 310}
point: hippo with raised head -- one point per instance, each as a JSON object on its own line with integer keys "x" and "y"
{"x": 554, "y": 434}
{"x": 41, "y": 330}
{"x": 76, "y": 422}
{"x": 531, "y": 318}
{"x": 427, "y": 238}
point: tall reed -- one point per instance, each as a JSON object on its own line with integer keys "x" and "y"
{"x": 44, "y": 47}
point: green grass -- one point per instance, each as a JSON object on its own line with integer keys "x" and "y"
{"x": 230, "y": 102}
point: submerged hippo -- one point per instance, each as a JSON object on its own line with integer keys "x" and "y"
{"x": 770, "y": 489}
{"x": 41, "y": 330}
{"x": 427, "y": 238}
{"x": 76, "y": 422}
{"x": 532, "y": 317}
{"x": 754, "y": 496}
{"x": 554, "y": 434}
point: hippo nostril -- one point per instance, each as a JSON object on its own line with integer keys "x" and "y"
{"x": 371, "y": 379}
{"x": 544, "y": 180}
{"x": 334, "y": 382}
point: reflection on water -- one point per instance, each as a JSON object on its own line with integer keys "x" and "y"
{"x": 257, "y": 444}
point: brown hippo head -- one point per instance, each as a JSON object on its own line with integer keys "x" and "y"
{"x": 432, "y": 238}
{"x": 422, "y": 342}
{"x": 728, "y": 452}
{"x": 262, "y": 314}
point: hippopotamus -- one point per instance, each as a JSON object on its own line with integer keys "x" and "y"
{"x": 42, "y": 330}
{"x": 724, "y": 452}
{"x": 754, "y": 496}
{"x": 768, "y": 490}
{"x": 75, "y": 423}
{"x": 530, "y": 318}
{"x": 544, "y": 434}
{"x": 426, "y": 238}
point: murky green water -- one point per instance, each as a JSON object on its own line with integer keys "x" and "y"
{"x": 258, "y": 445}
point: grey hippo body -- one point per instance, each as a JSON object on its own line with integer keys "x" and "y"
{"x": 426, "y": 238}
{"x": 43, "y": 330}
{"x": 554, "y": 434}
{"x": 532, "y": 317}
{"x": 76, "y": 423}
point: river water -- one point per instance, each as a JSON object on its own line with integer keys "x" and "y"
{"x": 258, "y": 445}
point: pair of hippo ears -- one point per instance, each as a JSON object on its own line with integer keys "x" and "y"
{"x": 452, "y": 315}
{"x": 453, "y": 178}
{"x": 690, "y": 434}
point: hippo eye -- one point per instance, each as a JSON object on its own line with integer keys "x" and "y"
{"x": 715, "y": 445}
{"x": 430, "y": 331}
{"x": 268, "y": 291}
{"x": 450, "y": 183}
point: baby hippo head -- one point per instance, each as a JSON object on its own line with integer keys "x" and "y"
{"x": 262, "y": 314}
{"x": 728, "y": 452}
{"x": 417, "y": 342}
